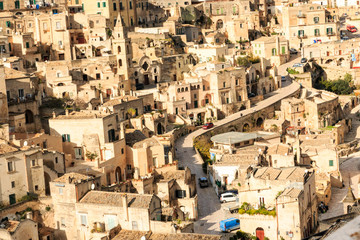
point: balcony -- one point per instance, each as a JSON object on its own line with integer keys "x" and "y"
{"x": 330, "y": 34}
{"x": 302, "y": 36}
{"x": 18, "y": 100}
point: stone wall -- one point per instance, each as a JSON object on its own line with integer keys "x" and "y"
{"x": 249, "y": 224}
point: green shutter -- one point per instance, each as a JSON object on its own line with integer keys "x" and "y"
{"x": 68, "y": 137}
{"x": 27, "y": 45}
{"x": 76, "y": 1}
{"x": 8, "y": 23}
{"x": 99, "y": 4}
{"x": 331, "y": 163}
{"x": 9, "y": 46}
{"x": 104, "y": 4}
{"x": 1, "y": 5}
{"x": 283, "y": 50}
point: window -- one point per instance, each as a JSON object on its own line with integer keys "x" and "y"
{"x": 21, "y": 93}
{"x": 104, "y": 4}
{"x": 66, "y": 137}
{"x": 114, "y": 6}
{"x": 60, "y": 43}
{"x": 98, "y": 4}
{"x": 331, "y": 163}
{"x": 98, "y": 76}
{"x": 224, "y": 84}
{"x": 17, "y": 4}
{"x": 180, "y": 193}
{"x": 316, "y": 19}
{"x": 30, "y": 25}
{"x": 56, "y": 159}
{"x": 12, "y": 184}
{"x": 317, "y": 32}
{"x": 195, "y": 96}
{"x": 241, "y": 26}
{"x": 33, "y": 163}
{"x": 301, "y": 33}
{"x": 130, "y": 5}
{"x": 58, "y": 25}
{"x": 62, "y": 221}
{"x": 45, "y": 26}
{"x": 121, "y": 6}
{"x": 273, "y": 52}
{"x": 83, "y": 219}
{"x": 122, "y": 150}
{"x": 236, "y": 82}
{"x": 36, "y": 188}
{"x": 8, "y": 24}
{"x": 61, "y": 191}
{"x": 329, "y": 31}
{"x": 283, "y": 50}
{"x": 128, "y": 167}
{"x": 1, "y": 5}
{"x": 134, "y": 225}
{"x": 27, "y": 45}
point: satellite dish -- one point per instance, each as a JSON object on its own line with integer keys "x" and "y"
{"x": 25, "y": 143}
{"x": 92, "y": 186}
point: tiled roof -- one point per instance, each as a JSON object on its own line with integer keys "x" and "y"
{"x": 6, "y": 148}
{"x": 149, "y": 141}
{"x": 291, "y": 192}
{"x": 73, "y": 175}
{"x": 12, "y": 73}
{"x": 119, "y": 100}
{"x": 281, "y": 149}
{"x": 293, "y": 174}
{"x": 115, "y": 199}
{"x": 133, "y": 136}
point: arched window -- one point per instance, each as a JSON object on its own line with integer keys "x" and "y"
{"x": 119, "y": 49}
{"x": 182, "y": 89}
{"x": 186, "y": 89}
{"x": 316, "y": 19}
{"x": 273, "y": 51}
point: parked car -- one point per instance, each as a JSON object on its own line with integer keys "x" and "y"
{"x": 351, "y": 28}
{"x": 139, "y": 86}
{"x": 227, "y": 197}
{"x": 203, "y": 182}
{"x": 283, "y": 78}
{"x": 293, "y": 51}
{"x": 345, "y": 38}
{"x": 297, "y": 65}
{"x": 229, "y": 224}
{"x": 208, "y": 125}
{"x": 303, "y": 60}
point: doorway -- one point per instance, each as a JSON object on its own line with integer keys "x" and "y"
{"x": 12, "y": 199}
{"x": 146, "y": 79}
{"x": 260, "y": 233}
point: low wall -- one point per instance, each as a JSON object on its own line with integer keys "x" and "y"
{"x": 249, "y": 224}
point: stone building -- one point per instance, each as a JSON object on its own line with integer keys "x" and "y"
{"x": 291, "y": 192}
{"x": 308, "y": 23}
{"x": 274, "y": 50}
{"x": 12, "y": 230}
{"x": 23, "y": 173}
{"x": 103, "y": 148}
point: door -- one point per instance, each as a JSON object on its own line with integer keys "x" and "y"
{"x": 12, "y": 199}
{"x": 146, "y": 79}
{"x": 225, "y": 180}
{"x": 260, "y": 233}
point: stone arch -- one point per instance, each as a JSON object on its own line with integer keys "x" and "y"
{"x": 29, "y": 117}
{"x": 65, "y": 95}
{"x": 160, "y": 129}
{"x": 260, "y": 122}
{"x": 328, "y": 61}
{"x": 219, "y": 24}
{"x": 243, "y": 107}
{"x": 246, "y": 127}
{"x": 118, "y": 174}
{"x": 60, "y": 84}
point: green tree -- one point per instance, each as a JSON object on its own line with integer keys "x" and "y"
{"x": 348, "y": 77}
{"x": 91, "y": 156}
{"x": 131, "y": 111}
{"x": 243, "y": 61}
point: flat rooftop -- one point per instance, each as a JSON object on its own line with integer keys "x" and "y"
{"x": 237, "y": 137}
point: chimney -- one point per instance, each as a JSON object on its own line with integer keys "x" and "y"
{"x": 67, "y": 112}
{"x": 125, "y": 207}
{"x": 53, "y": 114}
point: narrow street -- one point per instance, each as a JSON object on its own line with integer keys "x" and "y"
{"x": 209, "y": 207}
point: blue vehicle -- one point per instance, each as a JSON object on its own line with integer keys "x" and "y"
{"x": 230, "y": 224}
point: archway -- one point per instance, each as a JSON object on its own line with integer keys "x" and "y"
{"x": 118, "y": 174}
{"x": 254, "y": 89}
{"x": 242, "y": 107}
{"x": 259, "y": 122}
{"x": 260, "y": 233}
{"x": 246, "y": 127}
{"x": 29, "y": 117}
{"x": 66, "y": 95}
{"x": 219, "y": 24}
{"x": 328, "y": 61}
{"x": 160, "y": 129}
{"x": 47, "y": 183}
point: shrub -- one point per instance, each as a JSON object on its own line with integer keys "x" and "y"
{"x": 241, "y": 211}
{"x": 292, "y": 71}
{"x": 48, "y": 208}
